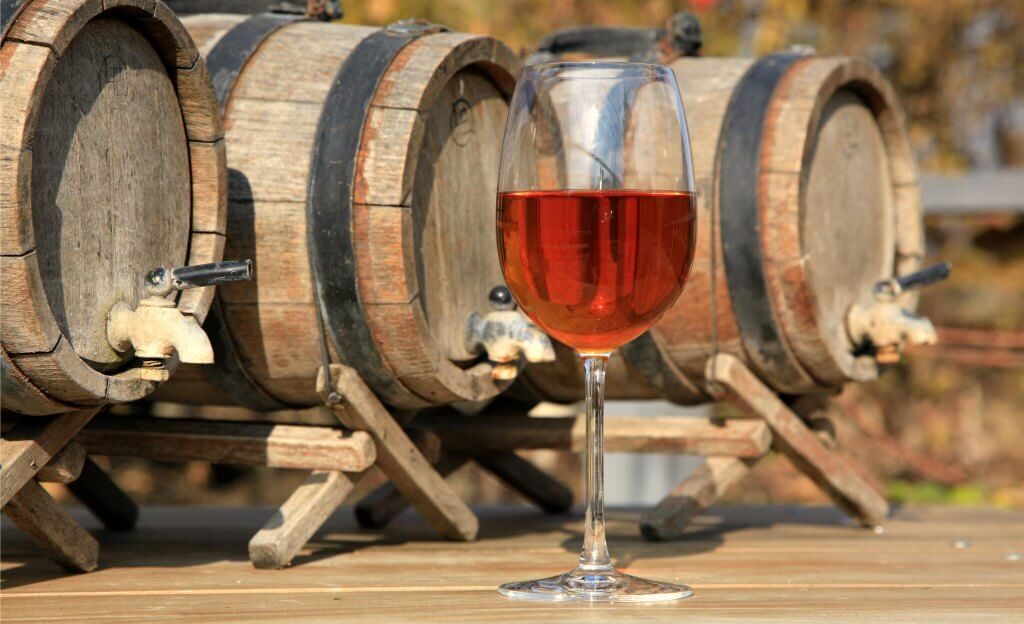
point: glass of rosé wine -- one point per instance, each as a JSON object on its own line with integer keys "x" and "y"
{"x": 596, "y": 233}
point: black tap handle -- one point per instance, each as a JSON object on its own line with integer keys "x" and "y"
{"x": 917, "y": 279}
{"x": 210, "y": 274}
{"x": 161, "y": 281}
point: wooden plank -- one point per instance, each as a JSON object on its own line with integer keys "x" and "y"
{"x": 835, "y": 475}
{"x": 98, "y": 492}
{"x": 288, "y": 530}
{"x": 507, "y": 430}
{"x": 537, "y": 486}
{"x": 398, "y": 457}
{"x": 26, "y": 448}
{"x": 745, "y": 563}
{"x": 253, "y": 444}
{"x": 66, "y": 465}
{"x": 692, "y": 497}
{"x": 49, "y": 526}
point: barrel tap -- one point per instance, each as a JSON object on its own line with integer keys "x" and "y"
{"x": 156, "y": 329}
{"x": 505, "y": 334}
{"x": 887, "y": 326}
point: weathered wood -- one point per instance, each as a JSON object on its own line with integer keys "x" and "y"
{"x": 254, "y": 444}
{"x": 669, "y": 519}
{"x": 49, "y": 526}
{"x": 508, "y": 430}
{"x": 428, "y": 156}
{"x": 29, "y": 446}
{"x": 833, "y": 145}
{"x": 288, "y": 530}
{"x": 378, "y": 508}
{"x": 537, "y": 486}
{"x": 90, "y": 87}
{"x": 836, "y": 476}
{"x": 66, "y": 465}
{"x": 97, "y": 491}
{"x": 398, "y": 457}
{"x": 752, "y": 564}
{"x": 145, "y": 205}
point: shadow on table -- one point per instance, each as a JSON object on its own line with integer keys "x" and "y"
{"x": 170, "y": 537}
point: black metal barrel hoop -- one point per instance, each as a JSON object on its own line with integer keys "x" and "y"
{"x": 329, "y": 207}
{"x": 739, "y": 153}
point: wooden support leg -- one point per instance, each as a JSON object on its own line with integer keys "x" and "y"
{"x": 692, "y": 497}
{"x": 398, "y": 457}
{"x": 840, "y": 479}
{"x": 66, "y": 465}
{"x": 381, "y": 506}
{"x": 378, "y": 508}
{"x": 537, "y": 486}
{"x": 277, "y": 543}
{"x": 97, "y": 491}
{"x": 31, "y": 445}
{"x": 46, "y": 522}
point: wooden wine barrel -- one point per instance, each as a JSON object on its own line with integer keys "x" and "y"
{"x": 808, "y": 196}
{"x": 111, "y": 164}
{"x": 363, "y": 165}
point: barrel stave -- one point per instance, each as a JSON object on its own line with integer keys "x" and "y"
{"x": 73, "y": 157}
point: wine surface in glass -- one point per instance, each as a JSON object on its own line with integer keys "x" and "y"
{"x": 596, "y": 268}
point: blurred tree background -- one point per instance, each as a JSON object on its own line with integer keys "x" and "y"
{"x": 946, "y": 424}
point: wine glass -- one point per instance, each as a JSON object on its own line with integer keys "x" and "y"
{"x": 596, "y": 233}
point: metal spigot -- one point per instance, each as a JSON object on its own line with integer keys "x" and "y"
{"x": 156, "y": 329}
{"x": 886, "y": 325}
{"x": 505, "y": 334}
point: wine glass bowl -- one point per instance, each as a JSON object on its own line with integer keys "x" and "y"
{"x": 596, "y": 225}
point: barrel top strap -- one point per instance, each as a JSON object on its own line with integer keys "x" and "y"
{"x": 329, "y": 207}
{"x": 224, "y": 63}
{"x": 9, "y": 9}
{"x": 230, "y": 54}
{"x": 739, "y": 152}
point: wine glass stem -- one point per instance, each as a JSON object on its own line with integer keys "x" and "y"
{"x": 595, "y": 549}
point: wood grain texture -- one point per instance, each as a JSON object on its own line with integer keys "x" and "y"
{"x": 52, "y": 529}
{"x": 831, "y": 122}
{"x": 53, "y": 23}
{"x": 88, "y": 169}
{"x": 692, "y": 497}
{"x": 65, "y": 466}
{"x": 82, "y": 206}
{"x": 25, "y": 69}
{"x": 63, "y": 375}
{"x": 420, "y": 200}
{"x": 253, "y": 444}
{"x": 837, "y": 476}
{"x": 21, "y": 396}
{"x": 498, "y": 431}
{"x": 753, "y": 564}
{"x": 29, "y": 446}
{"x": 27, "y": 326}
{"x": 399, "y": 458}
{"x": 288, "y": 530}
{"x": 378, "y": 508}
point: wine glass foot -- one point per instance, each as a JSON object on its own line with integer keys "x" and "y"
{"x": 605, "y": 585}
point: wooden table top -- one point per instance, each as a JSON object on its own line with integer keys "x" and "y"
{"x": 745, "y": 564}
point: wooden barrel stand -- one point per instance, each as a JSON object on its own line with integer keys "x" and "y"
{"x": 112, "y": 163}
